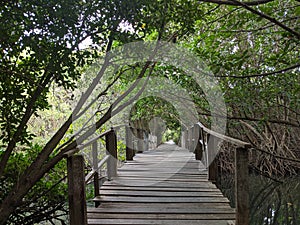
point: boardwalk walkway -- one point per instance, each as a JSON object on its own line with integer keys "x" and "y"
{"x": 165, "y": 186}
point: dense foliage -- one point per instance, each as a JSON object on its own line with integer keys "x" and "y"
{"x": 251, "y": 46}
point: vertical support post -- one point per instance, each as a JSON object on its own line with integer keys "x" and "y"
{"x": 198, "y": 149}
{"x": 111, "y": 149}
{"x": 211, "y": 151}
{"x": 193, "y": 141}
{"x": 182, "y": 141}
{"x": 190, "y": 144}
{"x": 96, "y": 175}
{"x": 146, "y": 140}
{"x": 187, "y": 136}
{"x": 134, "y": 140}
{"x": 129, "y": 144}
{"x": 96, "y": 187}
{"x": 76, "y": 190}
{"x": 140, "y": 136}
{"x": 242, "y": 186}
{"x": 95, "y": 156}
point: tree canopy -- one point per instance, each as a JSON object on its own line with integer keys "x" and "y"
{"x": 252, "y": 47}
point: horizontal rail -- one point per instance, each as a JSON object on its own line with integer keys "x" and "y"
{"x": 204, "y": 143}
{"x": 82, "y": 146}
{"x": 231, "y": 140}
{"x": 90, "y": 175}
{"x": 76, "y": 201}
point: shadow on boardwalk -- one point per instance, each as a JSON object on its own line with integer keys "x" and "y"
{"x": 162, "y": 186}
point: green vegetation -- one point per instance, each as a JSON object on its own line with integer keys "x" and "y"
{"x": 252, "y": 47}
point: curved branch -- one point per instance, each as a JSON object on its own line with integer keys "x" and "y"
{"x": 273, "y": 20}
{"x": 230, "y": 2}
{"x": 285, "y": 122}
{"x": 263, "y": 74}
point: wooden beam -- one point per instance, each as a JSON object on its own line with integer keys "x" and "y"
{"x": 198, "y": 149}
{"x": 129, "y": 144}
{"x": 111, "y": 149}
{"x": 76, "y": 190}
{"x": 211, "y": 151}
{"x": 231, "y": 140}
{"x": 96, "y": 187}
{"x": 140, "y": 140}
{"x": 242, "y": 186}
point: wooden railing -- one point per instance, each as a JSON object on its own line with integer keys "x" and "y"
{"x": 197, "y": 138}
{"x": 203, "y": 142}
{"x": 77, "y": 180}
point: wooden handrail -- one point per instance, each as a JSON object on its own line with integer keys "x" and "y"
{"x": 90, "y": 175}
{"x": 231, "y": 140}
{"x": 203, "y": 148}
{"x": 77, "y": 180}
{"x": 77, "y": 202}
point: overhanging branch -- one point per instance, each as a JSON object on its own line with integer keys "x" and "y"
{"x": 263, "y": 74}
{"x": 230, "y": 2}
{"x": 273, "y": 20}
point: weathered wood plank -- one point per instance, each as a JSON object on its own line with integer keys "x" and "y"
{"x": 163, "y": 209}
{"x": 160, "y": 199}
{"x": 159, "y": 193}
{"x": 134, "y": 183}
{"x": 163, "y": 216}
{"x": 155, "y": 222}
{"x": 163, "y": 178}
{"x": 189, "y": 206}
{"x": 162, "y": 187}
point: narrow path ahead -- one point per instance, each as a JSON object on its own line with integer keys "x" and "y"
{"x": 166, "y": 186}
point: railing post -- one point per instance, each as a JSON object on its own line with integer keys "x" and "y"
{"x": 140, "y": 136}
{"x": 96, "y": 187}
{"x": 129, "y": 144}
{"x": 198, "y": 149}
{"x": 187, "y": 138}
{"x": 212, "y": 168}
{"x": 96, "y": 175}
{"x": 242, "y": 186}
{"x": 95, "y": 155}
{"x": 76, "y": 190}
{"x": 182, "y": 141}
{"x": 190, "y": 139}
{"x": 111, "y": 149}
{"x": 146, "y": 140}
{"x": 202, "y": 136}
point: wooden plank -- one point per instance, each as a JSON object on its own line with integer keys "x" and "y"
{"x": 160, "y": 199}
{"x": 159, "y": 183}
{"x": 151, "y": 175}
{"x": 155, "y": 222}
{"x": 162, "y": 178}
{"x": 134, "y": 183}
{"x": 163, "y": 216}
{"x": 191, "y": 205}
{"x": 162, "y": 187}
{"x": 178, "y": 173}
{"x": 159, "y": 193}
{"x": 163, "y": 209}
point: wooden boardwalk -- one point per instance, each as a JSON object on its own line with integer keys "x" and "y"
{"x": 165, "y": 186}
